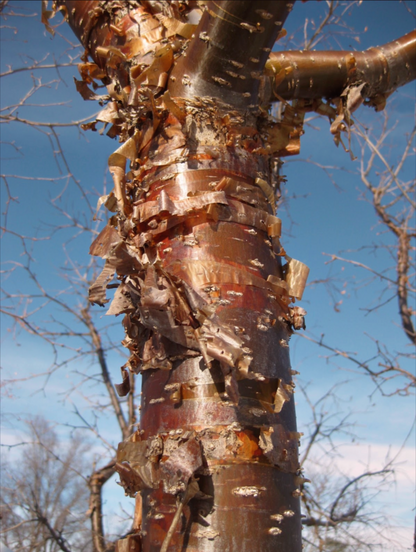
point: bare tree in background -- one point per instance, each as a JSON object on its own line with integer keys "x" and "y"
{"x": 79, "y": 340}
{"x": 337, "y": 504}
{"x": 44, "y": 493}
{"x": 391, "y": 193}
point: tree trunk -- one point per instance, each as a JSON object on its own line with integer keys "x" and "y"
{"x": 195, "y": 245}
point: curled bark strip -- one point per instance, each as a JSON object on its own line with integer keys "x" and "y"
{"x": 165, "y": 206}
{"x": 97, "y": 291}
{"x": 296, "y": 274}
{"x": 123, "y": 388}
{"x": 280, "y": 447}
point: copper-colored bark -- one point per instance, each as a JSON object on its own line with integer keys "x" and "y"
{"x": 195, "y": 245}
{"x": 228, "y": 59}
{"x": 326, "y": 74}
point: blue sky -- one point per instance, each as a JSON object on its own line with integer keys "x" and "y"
{"x": 320, "y": 219}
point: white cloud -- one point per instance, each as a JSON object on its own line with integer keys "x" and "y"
{"x": 358, "y": 457}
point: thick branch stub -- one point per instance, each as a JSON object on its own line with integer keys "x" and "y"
{"x": 309, "y": 74}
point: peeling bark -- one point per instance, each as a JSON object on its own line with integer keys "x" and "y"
{"x": 206, "y": 288}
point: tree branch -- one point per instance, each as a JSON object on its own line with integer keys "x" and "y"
{"x": 96, "y": 483}
{"x": 326, "y": 74}
{"x": 115, "y": 401}
{"x": 60, "y": 541}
